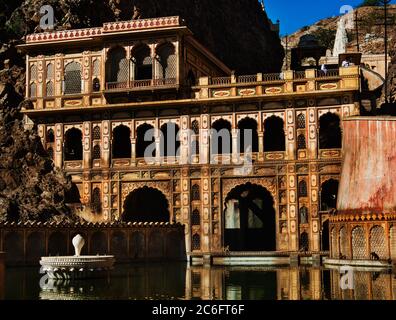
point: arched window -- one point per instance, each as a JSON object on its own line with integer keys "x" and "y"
{"x": 33, "y": 72}
{"x": 274, "y": 134}
{"x": 50, "y": 71}
{"x": 143, "y": 144}
{"x": 301, "y": 142}
{"x": 142, "y": 63}
{"x": 167, "y": 60}
{"x": 196, "y": 242}
{"x": 96, "y": 201}
{"x": 96, "y": 152}
{"x": 247, "y": 135}
{"x": 33, "y": 90}
{"x": 221, "y": 139}
{"x": 195, "y": 141}
{"x": 304, "y": 215}
{"x": 122, "y": 142}
{"x": 96, "y": 68}
{"x": 301, "y": 123}
{"x": 50, "y": 138}
{"x": 328, "y": 195}
{"x": 96, "y": 85}
{"x": 73, "y": 145}
{"x": 302, "y": 188}
{"x": 73, "y": 78}
{"x": 195, "y": 193}
{"x": 170, "y": 140}
{"x": 196, "y": 218}
{"x": 330, "y": 131}
{"x": 50, "y": 89}
{"x": 96, "y": 133}
{"x": 117, "y": 66}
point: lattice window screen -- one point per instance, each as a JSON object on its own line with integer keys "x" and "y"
{"x": 361, "y": 281}
{"x": 33, "y": 90}
{"x": 302, "y": 188}
{"x": 359, "y": 250}
{"x": 196, "y": 242}
{"x": 196, "y": 218}
{"x": 377, "y": 242}
{"x": 50, "y": 89}
{"x": 380, "y": 287}
{"x": 167, "y": 62}
{"x": 73, "y": 78}
{"x": 96, "y": 200}
{"x": 334, "y": 244}
{"x": 96, "y": 133}
{"x": 96, "y": 68}
{"x": 195, "y": 193}
{"x": 50, "y": 71}
{"x": 392, "y": 232}
{"x": 123, "y": 70}
{"x": 33, "y": 72}
{"x": 301, "y": 142}
{"x": 301, "y": 123}
{"x": 195, "y": 127}
{"x": 96, "y": 152}
{"x": 344, "y": 242}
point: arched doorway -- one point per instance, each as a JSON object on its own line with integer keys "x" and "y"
{"x": 325, "y": 236}
{"x": 250, "y": 219}
{"x": 146, "y": 205}
{"x": 221, "y": 138}
{"x": 330, "y": 136}
{"x": 143, "y": 142}
{"x": 328, "y": 195}
{"x": 122, "y": 142}
{"x": 73, "y": 145}
{"x": 274, "y": 135}
{"x": 247, "y": 135}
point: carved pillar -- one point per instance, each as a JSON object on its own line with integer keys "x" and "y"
{"x": 58, "y": 79}
{"x": 205, "y": 209}
{"x": 154, "y": 60}
{"x": 41, "y": 129}
{"x": 316, "y": 284}
{"x": 133, "y": 143}
{"x": 313, "y": 134}
{"x": 185, "y": 206}
{"x": 185, "y": 140}
{"x": 86, "y": 83}
{"x": 106, "y": 144}
{"x": 204, "y": 145}
{"x": 40, "y": 82}
{"x": 291, "y": 137}
{"x": 58, "y": 156}
{"x": 87, "y": 143}
{"x": 235, "y": 147}
{"x": 106, "y": 196}
{"x": 292, "y": 208}
{"x": 314, "y": 207}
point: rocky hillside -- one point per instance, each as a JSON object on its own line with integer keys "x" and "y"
{"x": 237, "y": 31}
{"x": 371, "y": 37}
{"x": 30, "y": 187}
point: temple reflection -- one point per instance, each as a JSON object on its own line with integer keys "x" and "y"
{"x": 181, "y": 281}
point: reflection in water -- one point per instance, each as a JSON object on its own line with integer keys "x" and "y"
{"x": 179, "y": 281}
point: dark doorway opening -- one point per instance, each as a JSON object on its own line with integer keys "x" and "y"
{"x": 274, "y": 135}
{"x": 73, "y": 145}
{"x": 146, "y": 205}
{"x": 247, "y": 135}
{"x": 325, "y": 236}
{"x": 122, "y": 142}
{"x": 250, "y": 219}
{"x": 221, "y": 139}
{"x": 330, "y": 135}
{"x": 141, "y": 143}
{"x": 329, "y": 195}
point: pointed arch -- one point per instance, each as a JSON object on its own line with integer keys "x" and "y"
{"x": 330, "y": 135}
{"x": 73, "y": 78}
{"x": 274, "y": 134}
{"x": 122, "y": 147}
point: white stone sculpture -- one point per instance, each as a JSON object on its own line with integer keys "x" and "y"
{"x": 78, "y": 243}
{"x": 341, "y": 40}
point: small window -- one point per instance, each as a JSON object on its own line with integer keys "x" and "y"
{"x": 96, "y": 85}
{"x": 302, "y": 189}
{"x": 96, "y": 133}
{"x": 301, "y": 123}
{"x": 33, "y": 72}
{"x": 96, "y": 201}
{"x": 195, "y": 193}
{"x": 96, "y": 153}
{"x": 50, "y": 136}
{"x": 195, "y": 218}
{"x": 196, "y": 242}
{"x": 195, "y": 127}
{"x": 301, "y": 143}
{"x": 50, "y": 89}
{"x": 50, "y": 71}
{"x": 33, "y": 90}
{"x": 50, "y": 152}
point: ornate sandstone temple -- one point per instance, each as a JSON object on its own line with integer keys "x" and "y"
{"x": 96, "y": 92}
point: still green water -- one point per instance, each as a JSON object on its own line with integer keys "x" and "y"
{"x": 180, "y": 281}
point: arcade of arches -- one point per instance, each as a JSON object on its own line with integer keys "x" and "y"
{"x": 285, "y": 212}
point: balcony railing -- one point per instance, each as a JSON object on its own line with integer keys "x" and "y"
{"x": 328, "y": 74}
{"x": 273, "y": 77}
{"x": 137, "y": 84}
{"x": 221, "y": 81}
{"x": 247, "y": 79}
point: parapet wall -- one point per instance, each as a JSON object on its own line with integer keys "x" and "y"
{"x": 25, "y": 244}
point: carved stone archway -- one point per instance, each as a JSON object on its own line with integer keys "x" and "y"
{"x": 164, "y": 186}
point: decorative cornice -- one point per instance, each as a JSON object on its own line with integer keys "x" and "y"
{"x": 111, "y": 27}
{"x": 362, "y": 217}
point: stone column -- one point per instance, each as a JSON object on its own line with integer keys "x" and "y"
{"x": 291, "y": 136}
{"x": 106, "y": 147}
{"x": 58, "y": 79}
{"x": 204, "y": 145}
{"x": 185, "y": 206}
{"x": 87, "y": 144}
{"x": 205, "y": 210}
{"x": 292, "y": 209}
{"x": 235, "y": 147}
{"x": 312, "y": 133}
{"x": 314, "y": 208}
{"x": 185, "y": 140}
{"x": 58, "y": 155}
{"x": 133, "y": 144}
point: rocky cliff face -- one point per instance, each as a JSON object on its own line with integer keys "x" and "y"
{"x": 30, "y": 187}
{"x": 237, "y": 31}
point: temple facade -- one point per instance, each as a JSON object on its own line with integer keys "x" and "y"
{"x": 96, "y": 94}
